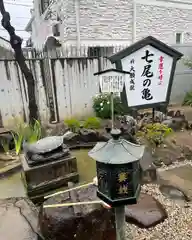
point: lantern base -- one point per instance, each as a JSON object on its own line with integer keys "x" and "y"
{"x": 119, "y": 202}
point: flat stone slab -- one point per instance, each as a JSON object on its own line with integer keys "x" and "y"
{"x": 179, "y": 178}
{"x": 148, "y": 212}
{"x": 9, "y": 167}
{"x": 12, "y": 186}
{"x": 18, "y": 220}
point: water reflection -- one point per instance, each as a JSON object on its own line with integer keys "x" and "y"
{"x": 86, "y": 165}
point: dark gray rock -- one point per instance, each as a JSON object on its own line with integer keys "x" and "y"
{"x": 87, "y": 222}
{"x": 175, "y": 123}
{"x": 6, "y": 137}
{"x": 148, "y": 167}
{"x": 158, "y": 162}
{"x": 93, "y": 222}
{"x": 159, "y": 115}
{"x": 84, "y": 137}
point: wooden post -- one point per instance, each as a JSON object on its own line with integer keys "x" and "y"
{"x": 153, "y": 115}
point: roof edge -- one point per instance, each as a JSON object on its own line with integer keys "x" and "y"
{"x": 143, "y": 42}
{"x": 111, "y": 70}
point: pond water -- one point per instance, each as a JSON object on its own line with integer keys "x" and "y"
{"x": 86, "y": 165}
{"x": 13, "y": 187}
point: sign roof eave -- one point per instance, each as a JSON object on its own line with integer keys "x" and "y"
{"x": 142, "y": 43}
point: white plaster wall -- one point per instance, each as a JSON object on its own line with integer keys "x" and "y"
{"x": 42, "y": 27}
{"x": 163, "y": 23}
{"x": 112, "y": 20}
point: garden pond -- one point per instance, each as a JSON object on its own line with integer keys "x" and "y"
{"x": 12, "y": 186}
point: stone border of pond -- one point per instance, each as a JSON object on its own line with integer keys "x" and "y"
{"x": 10, "y": 170}
{"x": 82, "y": 146}
{"x": 14, "y": 168}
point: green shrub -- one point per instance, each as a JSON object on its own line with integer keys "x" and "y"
{"x": 155, "y": 133}
{"x": 32, "y": 133}
{"x": 73, "y": 124}
{"x": 102, "y": 106}
{"x": 188, "y": 99}
{"x": 92, "y": 122}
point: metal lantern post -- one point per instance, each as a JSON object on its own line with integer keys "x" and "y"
{"x": 117, "y": 161}
{"x": 112, "y": 111}
{"x": 119, "y": 175}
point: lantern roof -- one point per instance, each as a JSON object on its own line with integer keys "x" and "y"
{"x": 117, "y": 150}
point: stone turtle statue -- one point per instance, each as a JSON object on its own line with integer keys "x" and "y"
{"x": 46, "y": 149}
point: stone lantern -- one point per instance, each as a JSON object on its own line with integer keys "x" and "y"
{"x": 118, "y": 170}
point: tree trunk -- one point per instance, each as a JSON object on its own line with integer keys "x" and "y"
{"x": 16, "y": 43}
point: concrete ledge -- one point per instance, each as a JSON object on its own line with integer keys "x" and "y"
{"x": 10, "y": 169}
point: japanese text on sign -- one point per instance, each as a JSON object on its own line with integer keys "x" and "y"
{"x": 102, "y": 181}
{"x": 161, "y": 67}
{"x": 132, "y": 75}
{"x": 112, "y": 84}
{"x": 151, "y": 66}
{"x": 123, "y": 184}
{"x": 147, "y": 74}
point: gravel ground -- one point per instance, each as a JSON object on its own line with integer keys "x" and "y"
{"x": 175, "y": 164}
{"x": 178, "y": 226}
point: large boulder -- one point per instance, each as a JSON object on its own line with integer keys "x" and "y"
{"x": 83, "y": 138}
{"x": 148, "y": 167}
{"x": 176, "y": 148}
{"x": 93, "y": 221}
{"x": 19, "y": 220}
{"x": 87, "y": 222}
{"x": 179, "y": 178}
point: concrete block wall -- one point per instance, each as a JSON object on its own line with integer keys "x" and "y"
{"x": 113, "y": 20}
{"x": 103, "y": 19}
{"x": 163, "y": 23}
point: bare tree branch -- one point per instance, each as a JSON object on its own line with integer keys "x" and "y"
{"x": 16, "y": 43}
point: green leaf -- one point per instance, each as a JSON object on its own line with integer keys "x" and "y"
{"x": 18, "y": 140}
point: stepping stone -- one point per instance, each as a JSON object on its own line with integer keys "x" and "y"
{"x": 173, "y": 193}
{"x": 179, "y": 178}
{"x": 148, "y": 212}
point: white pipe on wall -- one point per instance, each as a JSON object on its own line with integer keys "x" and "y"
{"x": 134, "y": 23}
{"x": 77, "y": 8}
